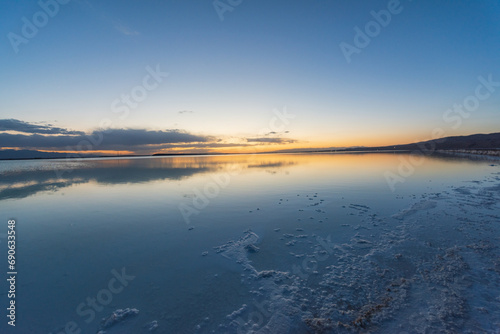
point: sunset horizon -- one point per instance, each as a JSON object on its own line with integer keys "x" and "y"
{"x": 77, "y": 143}
{"x": 250, "y": 166}
{"x": 352, "y": 75}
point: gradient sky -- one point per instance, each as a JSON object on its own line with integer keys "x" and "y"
{"x": 228, "y": 78}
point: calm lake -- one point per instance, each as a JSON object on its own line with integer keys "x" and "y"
{"x": 283, "y": 243}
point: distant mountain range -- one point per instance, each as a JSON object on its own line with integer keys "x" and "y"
{"x": 33, "y": 154}
{"x": 472, "y": 142}
{"x": 29, "y": 154}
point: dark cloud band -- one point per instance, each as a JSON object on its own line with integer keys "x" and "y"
{"x": 47, "y": 137}
{"x": 21, "y": 126}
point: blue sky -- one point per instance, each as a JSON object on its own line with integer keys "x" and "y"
{"x": 230, "y": 76}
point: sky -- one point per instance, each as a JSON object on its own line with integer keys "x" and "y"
{"x": 245, "y": 76}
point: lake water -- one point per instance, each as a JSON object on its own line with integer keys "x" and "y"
{"x": 288, "y": 243}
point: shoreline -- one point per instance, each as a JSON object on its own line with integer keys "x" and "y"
{"x": 490, "y": 153}
{"x": 485, "y": 153}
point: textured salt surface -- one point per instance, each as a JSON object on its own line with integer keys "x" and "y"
{"x": 117, "y": 317}
{"x": 431, "y": 268}
{"x": 152, "y": 326}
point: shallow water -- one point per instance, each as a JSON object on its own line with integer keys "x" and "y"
{"x": 290, "y": 243}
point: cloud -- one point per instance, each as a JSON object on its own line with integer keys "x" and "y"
{"x": 125, "y": 30}
{"x": 140, "y": 141}
{"x": 271, "y": 140}
{"x": 136, "y": 137}
{"x": 117, "y": 24}
{"x": 111, "y": 139}
{"x": 185, "y": 111}
{"x": 21, "y": 126}
{"x": 273, "y": 133}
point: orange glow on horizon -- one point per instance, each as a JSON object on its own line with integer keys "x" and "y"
{"x": 364, "y": 140}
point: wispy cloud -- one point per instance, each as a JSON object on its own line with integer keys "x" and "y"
{"x": 274, "y": 133}
{"x": 115, "y": 23}
{"x": 185, "y": 112}
{"x": 269, "y": 140}
{"x": 125, "y": 30}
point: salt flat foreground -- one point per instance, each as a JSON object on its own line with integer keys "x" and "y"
{"x": 255, "y": 244}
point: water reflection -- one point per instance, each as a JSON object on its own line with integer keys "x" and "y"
{"x": 19, "y": 179}
{"x": 25, "y": 178}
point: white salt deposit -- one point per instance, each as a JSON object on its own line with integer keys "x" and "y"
{"x": 433, "y": 267}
